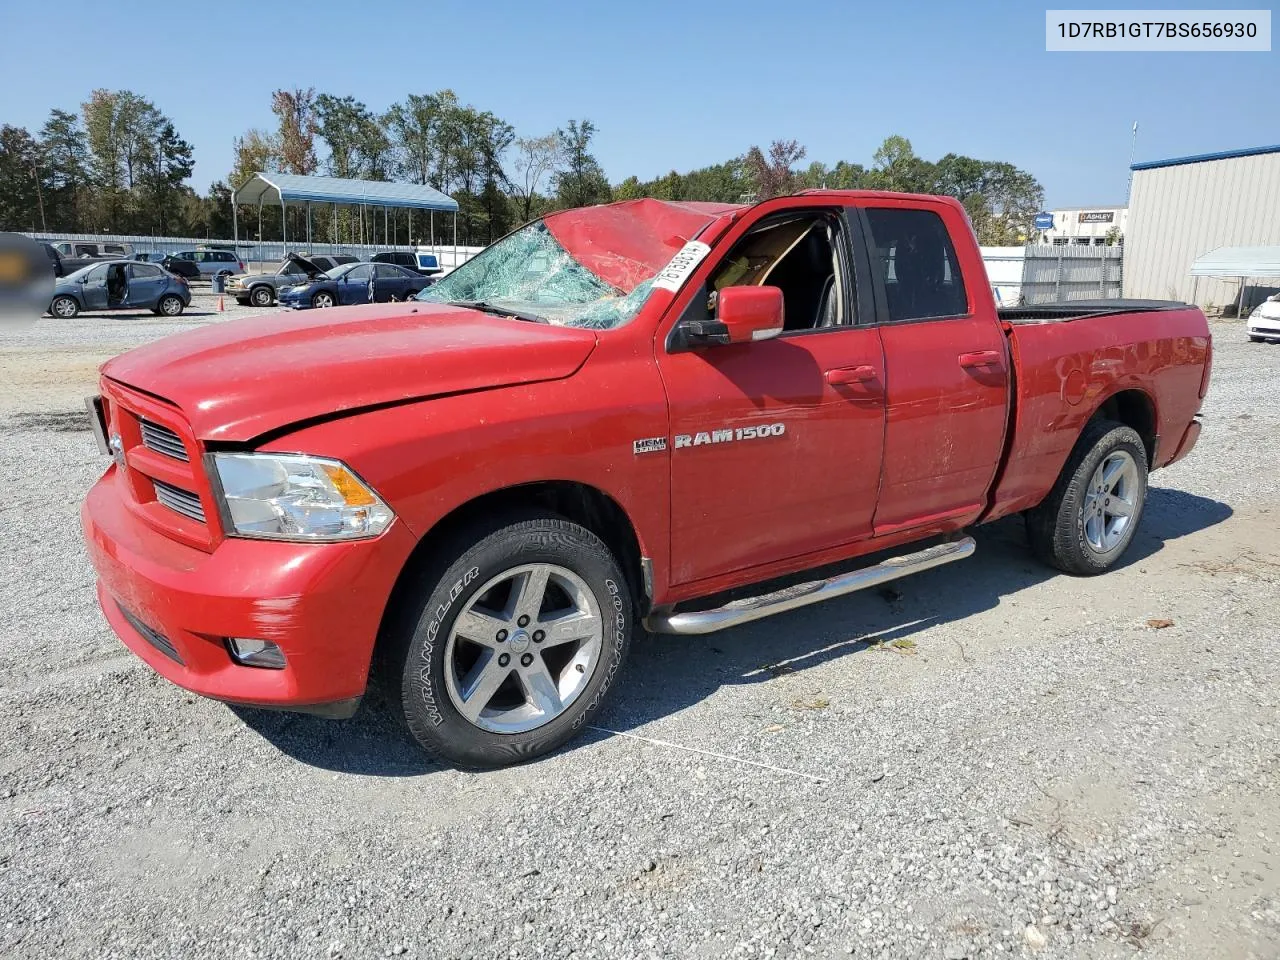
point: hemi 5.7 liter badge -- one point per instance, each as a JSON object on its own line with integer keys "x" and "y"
{"x": 649, "y": 445}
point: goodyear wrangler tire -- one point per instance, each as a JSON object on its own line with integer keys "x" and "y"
{"x": 1090, "y": 517}
{"x": 511, "y": 650}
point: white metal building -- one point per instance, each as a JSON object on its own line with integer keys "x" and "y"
{"x": 1183, "y": 208}
{"x": 1085, "y": 226}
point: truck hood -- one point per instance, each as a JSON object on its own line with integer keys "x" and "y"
{"x": 240, "y": 379}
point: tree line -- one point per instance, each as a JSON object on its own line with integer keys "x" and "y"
{"x": 118, "y": 165}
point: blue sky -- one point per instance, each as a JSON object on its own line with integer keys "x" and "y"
{"x": 668, "y": 85}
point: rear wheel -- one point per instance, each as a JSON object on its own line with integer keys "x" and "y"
{"x": 1090, "y": 517}
{"x": 64, "y": 307}
{"x": 322, "y": 299}
{"x": 506, "y": 653}
{"x": 170, "y": 306}
{"x": 261, "y": 296}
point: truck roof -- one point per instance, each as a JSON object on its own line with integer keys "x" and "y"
{"x": 627, "y": 242}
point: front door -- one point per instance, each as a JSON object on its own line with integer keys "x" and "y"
{"x": 354, "y": 285}
{"x": 947, "y": 367}
{"x": 775, "y": 445}
{"x": 94, "y": 289}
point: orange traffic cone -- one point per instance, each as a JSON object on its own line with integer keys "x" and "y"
{"x": 221, "y": 308}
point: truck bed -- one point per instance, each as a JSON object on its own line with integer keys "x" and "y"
{"x": 1079, "y": 309}
{"x": 1147, "y": 350}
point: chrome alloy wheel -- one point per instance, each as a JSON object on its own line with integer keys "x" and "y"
{"x": 524, "y": 648}
{"x": 1111, "y": 502}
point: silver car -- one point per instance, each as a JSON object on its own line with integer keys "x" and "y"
{"x": 211, "y": 263}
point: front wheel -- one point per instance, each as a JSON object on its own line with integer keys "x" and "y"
{"x": 322, "y": 300}
{"x": 261, "y": 297}
{"x": 508, "y": 652}
{"x": 1090, "y": 517}
{"x": 64, "y": 307}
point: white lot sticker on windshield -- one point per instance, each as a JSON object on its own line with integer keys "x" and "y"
{"x": 682, "y": 264}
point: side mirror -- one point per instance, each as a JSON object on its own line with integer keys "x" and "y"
{"x": 743, "y": 314}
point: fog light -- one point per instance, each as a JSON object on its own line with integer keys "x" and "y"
{"x": 256, "y": 653}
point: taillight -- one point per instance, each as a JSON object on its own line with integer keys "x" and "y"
{"x": 241, "y": 262}
{"x": 1208, "y": 367}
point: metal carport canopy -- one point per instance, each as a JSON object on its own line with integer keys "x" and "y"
{"x": 294, "y": 188}
{"x": 1238, "y": 262}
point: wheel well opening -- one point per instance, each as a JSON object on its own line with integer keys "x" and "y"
{"x": 576, "y": 502}
{"x": 1134, "y": 409}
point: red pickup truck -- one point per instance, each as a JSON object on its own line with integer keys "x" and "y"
{"x": 680, "y": 415}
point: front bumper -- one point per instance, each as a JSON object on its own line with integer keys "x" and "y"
{"x": 1264, "y": 326}
{"x": 174, "y": 606}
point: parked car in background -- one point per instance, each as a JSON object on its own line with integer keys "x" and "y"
{"x": 55, "y": 259}
{"x": 261, "y": 289}
{"x": 354, "y": 283}
{"x": 1264, "y": 322}
{"x": 423, "y": 264}
{"x": 212, "y": 263}
{"x": 120, "y": 285}
{"x": 89, "y": 250}
{"x": 188, "y": 269}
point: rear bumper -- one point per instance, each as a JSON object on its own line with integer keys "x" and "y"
{"x": 174, "y": 606}
{"x": 1188, "y": 442}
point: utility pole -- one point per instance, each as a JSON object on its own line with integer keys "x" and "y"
{"x": 35, "y": 175}
{"x": 1133, "y": 145}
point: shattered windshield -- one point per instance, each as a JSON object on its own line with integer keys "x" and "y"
{"x": 530, "y": 274}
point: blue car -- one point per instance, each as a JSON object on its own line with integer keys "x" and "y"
{"x": 120, "y": 285}
{"x": 354, "y": 283}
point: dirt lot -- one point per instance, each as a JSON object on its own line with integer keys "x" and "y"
{"x": 987, "y": 760}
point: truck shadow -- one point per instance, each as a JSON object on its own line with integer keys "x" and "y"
{"x": 667, "y": 674}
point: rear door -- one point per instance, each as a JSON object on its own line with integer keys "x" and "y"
{"x": 947, "y": 366}
{"x": 775, "y": 445}
{"x": 145, "y": 285}
{"x": 389, "y": 281}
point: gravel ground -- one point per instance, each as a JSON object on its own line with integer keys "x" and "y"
{"x": 987, "y": 760}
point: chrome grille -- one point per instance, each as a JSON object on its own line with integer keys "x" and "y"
{"x": 162, "y": 440}
{"x": 182, "y": 501}
{"x": 153, "y": 637}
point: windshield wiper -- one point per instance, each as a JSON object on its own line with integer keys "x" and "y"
{"x": 486, "y": 307}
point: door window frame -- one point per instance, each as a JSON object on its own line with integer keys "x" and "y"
{"x": 853, "y": 263}
{"x": 879, "y": 317}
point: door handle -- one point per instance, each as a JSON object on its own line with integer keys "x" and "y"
{"x": 980, "y": 358}
{"x": 848, "y": 375}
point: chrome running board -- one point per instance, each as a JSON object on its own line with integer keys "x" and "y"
{"x": 803, "y": 594}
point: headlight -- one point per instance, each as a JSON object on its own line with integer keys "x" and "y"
{"x": 1257, "y": 312}
{"x": 293, "y": 497}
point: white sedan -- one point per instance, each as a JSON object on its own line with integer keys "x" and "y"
{"x": 1264, "y": 322}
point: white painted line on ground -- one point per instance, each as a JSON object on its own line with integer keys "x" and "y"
{"x": 709, "y": 753}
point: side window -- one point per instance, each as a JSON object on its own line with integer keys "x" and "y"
{"x": 64, "y": 249}
{"x": 359, "y": 274}
{"x": 917, "y": 260}
{"x": 98, "y": 274}
{"x": 113, "y": 248}
{"x": 796, "y": 252}
{"x": 386, "y": 271}
{"x": 86, "y": 250}
{"x": 225, "y": 257}
{"x": 144, "y": 271}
